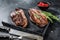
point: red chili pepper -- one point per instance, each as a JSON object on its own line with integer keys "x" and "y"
{"x": 46, "y": 5}
{"x": 42, "y": 4}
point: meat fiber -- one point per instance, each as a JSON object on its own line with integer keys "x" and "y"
{"x": 37, "y": 17}
{"x": 19, "y": 18}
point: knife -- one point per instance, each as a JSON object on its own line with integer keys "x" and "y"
{"x": 21, "y": 34}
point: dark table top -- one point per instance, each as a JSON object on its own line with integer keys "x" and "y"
{"x": 6, "y": 6}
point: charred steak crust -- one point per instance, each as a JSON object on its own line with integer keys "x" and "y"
{"x": 19, "y": 18}
{"x": 37, "y": 17}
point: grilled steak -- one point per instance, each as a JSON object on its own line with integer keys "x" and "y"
{"x": 37, "y": 17}
{"x": 19, "y": 18}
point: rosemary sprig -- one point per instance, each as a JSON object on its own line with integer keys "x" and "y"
{"x": 36, "y": 15}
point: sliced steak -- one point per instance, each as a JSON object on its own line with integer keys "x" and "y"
{"x": 19, "y": 18}
{"x": 37, "y": 17}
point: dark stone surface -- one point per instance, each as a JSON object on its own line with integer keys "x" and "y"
{"x": 6, "y": 6}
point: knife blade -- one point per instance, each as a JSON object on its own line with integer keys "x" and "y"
{"x": 22, "y": 34}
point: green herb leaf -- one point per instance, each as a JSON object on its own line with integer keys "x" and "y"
{"x": 51, "y": 15}
{"x": 48, "y": 18}
{"x": 56, "y": 18}
{"x": 36, "y": 15}
{"x": 17, "y": 12}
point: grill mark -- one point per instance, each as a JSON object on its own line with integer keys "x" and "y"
{"x": 39, "y": 19}
{"x": 45, "y": 19}
{"x": 34, "y": 18}
{"x": 21, "y": 18}
{"x": 14, "y": 19}
{"x": 42, "y": 17}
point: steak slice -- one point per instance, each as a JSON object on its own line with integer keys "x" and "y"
{"x": 37, "y": 17}
{"x": 19, "y": 18}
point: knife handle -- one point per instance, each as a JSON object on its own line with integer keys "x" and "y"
{"x": 4, "y": 29}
